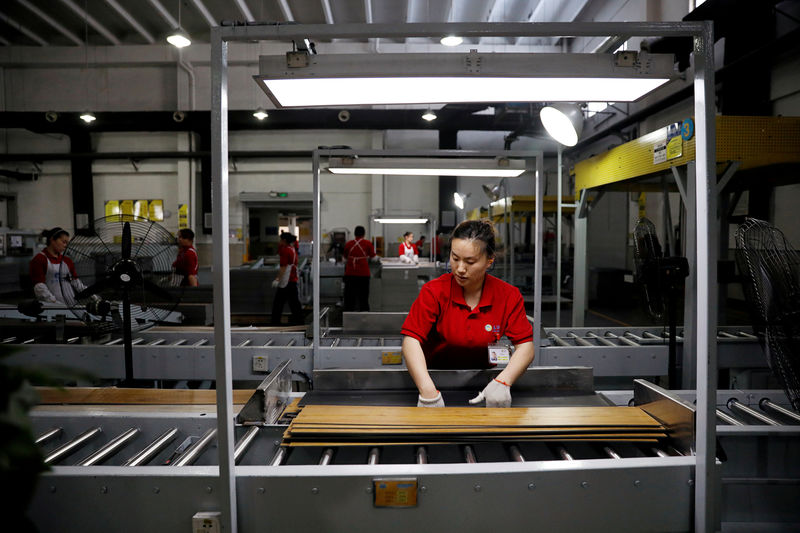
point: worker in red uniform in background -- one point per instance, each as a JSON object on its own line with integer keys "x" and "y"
{"x": 357, "y": 254}
{"x": 458, "y": 319}
{"x": 408, "y": 250}
{"x": 286, "y": 282}
{"x": 186, "y": 264}
{"x": 419, "y": 244}
{"x": 49, "y": 267}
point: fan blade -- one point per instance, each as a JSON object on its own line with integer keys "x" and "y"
{"x": 98, "y": 287}
{"x": 158, "y": 291}
{"x": 126, "y": 241}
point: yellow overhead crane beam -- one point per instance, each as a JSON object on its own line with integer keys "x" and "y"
{"x": 521, "y": 205}
{"x": 753, "y": 141}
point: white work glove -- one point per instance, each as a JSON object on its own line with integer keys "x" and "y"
{"x": 43, "y": 294}
{"x": 274, "y": 283}
{"x": 416, "y": 259}
{"x": 375, "y": 259}
{"x": 438, "y": 401}
{"x": 405, "y": 259}
{"x": 496, "y": 394}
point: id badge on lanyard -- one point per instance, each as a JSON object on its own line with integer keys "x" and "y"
{"x": 499, "y": 353}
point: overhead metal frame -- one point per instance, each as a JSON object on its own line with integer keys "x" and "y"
{"x": 317, "y": 234}
{"x": 702, "y": 35}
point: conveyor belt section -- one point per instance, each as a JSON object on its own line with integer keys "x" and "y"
{"x": 639, "y": 351}
{"x": 186, "y": 440}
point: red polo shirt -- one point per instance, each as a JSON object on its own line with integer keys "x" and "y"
{"x": 186, "y": 262}
{"x": 452, "y": 335}
{"x": 288, "y": 257}
{"x": 358, "y": 253}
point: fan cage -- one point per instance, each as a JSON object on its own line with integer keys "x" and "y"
{"x": 95, "y": 257}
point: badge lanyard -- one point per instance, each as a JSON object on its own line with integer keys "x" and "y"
{"x": 499, "y": 353}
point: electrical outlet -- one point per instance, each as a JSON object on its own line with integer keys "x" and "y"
{"x": 260, "y": 363}
{"x": 206, "y": 522}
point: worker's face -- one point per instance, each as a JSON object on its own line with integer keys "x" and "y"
{"x": 184, "y": 243}
{"x": 60, "y": 244}
{"x": 409, "y": 238}
{"x": 469, "y": 262}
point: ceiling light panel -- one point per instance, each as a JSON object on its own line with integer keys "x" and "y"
{"x": 373, "y": 79}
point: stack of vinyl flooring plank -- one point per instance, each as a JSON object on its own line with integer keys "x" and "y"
{"x": 342, "y": 425}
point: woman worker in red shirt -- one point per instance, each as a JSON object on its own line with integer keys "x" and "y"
{"x": 50, "y": 266}
{"x": 458, "y": 319}
{"x": 358, "y": 252}
{"x": 286, "y": 282}
{"x": 408, "y": 250}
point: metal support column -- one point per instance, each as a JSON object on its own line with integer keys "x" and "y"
{"x": 705, "y": 113}
{"x": 579, "y": 262}
{"x": 558, "y": 239}
{"x": 685, "y": 178}
{"x": 537, "y": 260}
{"x": 315, "y": 262}
{"x": 222, "y": 293}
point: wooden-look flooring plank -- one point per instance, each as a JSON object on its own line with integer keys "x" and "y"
{"x": 113, "y": 395}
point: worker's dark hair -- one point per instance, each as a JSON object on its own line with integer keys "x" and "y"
{"x": 421, "y": 237}
{"x": 406, "y": 234}
{"x": 186, "y": 233}
{"x": 477, "y": 230}
{"x": 360, "y": 231}
{"x": 288, "y": 237}
{"x": 55, "y": 233}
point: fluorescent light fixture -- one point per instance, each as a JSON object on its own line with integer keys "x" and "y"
{"x": 564, "y": 122}
{"x": 430, "y": 166}
{"x": 401, "y": 220}
{"x": 429, "y": 115}
{"x": 451, "y": 40}
{"x": 260, "y": 113}
{"x": 375, "y": 79}
{"x": 179, "y": 38}
{"x": 458, "y": 200}
{"x": 88, "y": 117}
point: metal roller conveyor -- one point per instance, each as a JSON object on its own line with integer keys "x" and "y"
{"x": 564, "y": 454}
{"x": 558, "y": 340}
{"x": 327, "y": 457}
{"x": 767, "y": 405}
{"x": 194, "y": 451}
{"x": 113, "y": 446}
{"x": 599, "y": 339}
{"x": 611, "y": 452}
{"x": 634, "y": 337}
{"x": 621, "y": 339}
{"x": 48, "y": 435}
{"x": 157, "y": 342}
{"x": 421, "y": 455}
{"x": 279, "y": 457}
{"x": 244, "y": 443}
{"x": 72, "y": 446}
{"x": 736, "y": 406}
{"x": 154, "y": 448}
{"x": 578, "y": 339}
{"x": 659, "y": 452}
{"x": 516, "y": 454}
{"x": 728, "y": 419}
{"x": 469, "y": 454}
{"x": 374, "y": 456}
